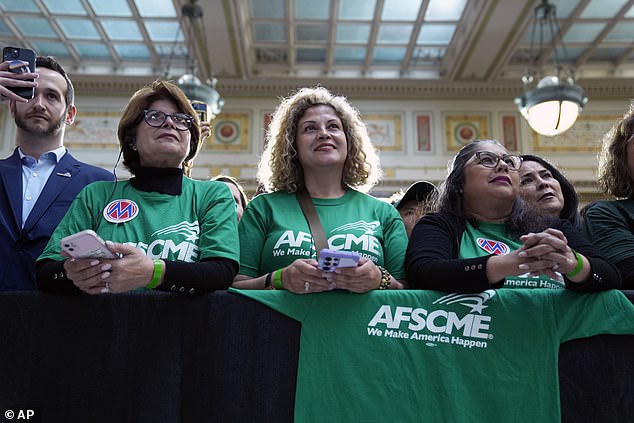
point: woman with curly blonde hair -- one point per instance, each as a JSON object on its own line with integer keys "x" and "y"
{"x": 317, "y": 142}
{"x": 280, "y": 168}
{"x": 610, "y": 224}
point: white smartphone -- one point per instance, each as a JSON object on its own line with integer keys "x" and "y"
{"x": 329, "y": 260}
{"x": 86, "y": 244}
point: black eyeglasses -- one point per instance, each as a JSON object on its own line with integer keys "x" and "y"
{"x": 156, "y": 118}
{"x": 491, "y": 160}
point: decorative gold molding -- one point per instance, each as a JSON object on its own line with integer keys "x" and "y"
{"x": 354, "y": 88}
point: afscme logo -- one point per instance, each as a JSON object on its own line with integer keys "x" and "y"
{"x": 473, "y": 324}
{"x": 359, "y": 226}
{"x": 473, "y": 301}
{"x": 189, "y": 230}
{"x": 365, "y": 243}
{"x": 168, "y": 244}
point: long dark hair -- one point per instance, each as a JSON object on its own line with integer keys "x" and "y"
{"x": 571, "y": 199}
{"x": 451, "y": 195}
{"x": 614, "y": 173}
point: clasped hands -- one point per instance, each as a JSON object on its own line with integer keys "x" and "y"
{"x": 544, "y": 253}
{"x": 303, "y": 277}
{"x": 96, "y": 276}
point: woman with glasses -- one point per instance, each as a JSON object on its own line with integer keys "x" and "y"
{"x": 482, "y": 237}
{"x": 171, "y": 233}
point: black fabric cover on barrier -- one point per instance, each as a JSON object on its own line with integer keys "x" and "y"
{"x": 146, "y": 357}
{"x": 157, "y": 357}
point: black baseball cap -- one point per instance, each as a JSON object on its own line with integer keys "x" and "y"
{"x": 418, "y": 191}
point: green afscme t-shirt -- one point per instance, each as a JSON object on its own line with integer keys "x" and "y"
{"x": 492, "y": 238}
{"x": 274, "y": 231}
{"x": 200, "y": 223}
{"x": 429, "y": 356}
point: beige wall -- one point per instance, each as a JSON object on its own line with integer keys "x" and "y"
{"x": 402, "y": 161}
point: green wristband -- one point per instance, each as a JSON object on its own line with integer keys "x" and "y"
{"x": 578, "y": 267}
{"x": 277, "y": 279}
{"x": 157, "y": 275}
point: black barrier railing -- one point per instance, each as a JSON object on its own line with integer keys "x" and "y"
{"x": 155, "y": 357}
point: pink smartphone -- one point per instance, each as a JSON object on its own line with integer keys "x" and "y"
{"x": 329, "y": 260}
{"x": 86, "y": 244}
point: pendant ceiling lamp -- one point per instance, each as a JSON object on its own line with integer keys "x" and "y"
{"x": 552, "y": 105}
{"x": 191, "y": 85}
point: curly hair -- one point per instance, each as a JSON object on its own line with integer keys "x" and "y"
{"x": 451, "y": 195}
{"x": 571, "y": 199}
{"x": 615, "y": 177}
{"x": 132, "y": 116}
{"x": 279, "y": 168}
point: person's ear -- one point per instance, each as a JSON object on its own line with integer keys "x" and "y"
{"x": 70, "y": 115}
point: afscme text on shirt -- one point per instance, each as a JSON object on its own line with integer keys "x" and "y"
{"x": 162, "y": 248}
{"x": 436, "y": 326}
{"x": 301, "y": 244}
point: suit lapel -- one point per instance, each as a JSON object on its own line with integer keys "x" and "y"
{"x": 58, "y": 181}
{"x": 11, "y": 176}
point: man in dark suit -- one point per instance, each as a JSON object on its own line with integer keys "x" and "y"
{"x": 41, "y": 178}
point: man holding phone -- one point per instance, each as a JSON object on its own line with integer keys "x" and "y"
{"x": 41, "y": 178}
{"x": 12, "y": 81}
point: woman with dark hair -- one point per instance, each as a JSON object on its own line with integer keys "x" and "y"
{"x": 546, "y": 189}
{"x": 609, "y": 224}
{"x": 171, "y": 232}
{"x": 483, "y": 237}
{"x": 318, "y": 143}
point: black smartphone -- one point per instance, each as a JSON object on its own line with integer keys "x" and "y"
{"x": 201, "y": 109}
{"x": 16, "y": 54}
